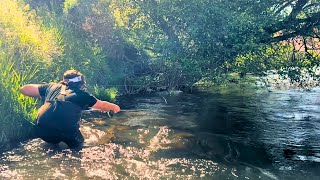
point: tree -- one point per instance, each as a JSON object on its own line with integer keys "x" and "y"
{"x": 294, "y": 18}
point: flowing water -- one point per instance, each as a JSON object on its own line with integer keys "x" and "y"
{"x": 224, "y": 134}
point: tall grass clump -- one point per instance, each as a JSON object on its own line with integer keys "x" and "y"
{"x": 17, "y": 111}
{"x": 25, "y": 45}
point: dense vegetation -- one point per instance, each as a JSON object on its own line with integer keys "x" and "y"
{"x": 145, "y": 45}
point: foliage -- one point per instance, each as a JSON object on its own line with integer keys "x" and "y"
{"x": 168, "y": 31}
{"x": 281, "y": 58}
{"x": 68, "y": 4}
{"x": 15, "y": 108}
{"x": 102, "y": 93}
{"x": 293, "y": 18}
{"x": 79, "y": 52}
{"x": 27, "y": 47}
{"x": 20, "y": 24}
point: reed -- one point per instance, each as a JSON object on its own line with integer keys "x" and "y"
{"x": 17, "y": 111}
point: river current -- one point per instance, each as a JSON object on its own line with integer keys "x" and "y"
{"x": 228, "y": 133}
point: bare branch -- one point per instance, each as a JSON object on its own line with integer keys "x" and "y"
{"x": 284, "y": 6}
{"x": 297, "y": 8}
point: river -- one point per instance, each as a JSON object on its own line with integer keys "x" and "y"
{"x": 228, "y": 133}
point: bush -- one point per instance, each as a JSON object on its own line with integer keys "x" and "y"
{"x": 102, "y": 93}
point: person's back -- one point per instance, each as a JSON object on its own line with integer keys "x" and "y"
{"x": 62, "y": 107}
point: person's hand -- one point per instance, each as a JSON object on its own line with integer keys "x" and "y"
{"x": 116, "y": 108}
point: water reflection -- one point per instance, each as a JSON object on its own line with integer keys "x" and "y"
{"x": 236, "y": 134}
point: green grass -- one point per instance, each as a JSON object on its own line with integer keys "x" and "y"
{"x": 106, "y": 94}
{"x": 17, "y": 111}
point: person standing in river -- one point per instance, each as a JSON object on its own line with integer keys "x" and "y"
{"x": 58, "y": 119}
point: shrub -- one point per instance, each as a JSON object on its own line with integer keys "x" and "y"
{"x": 102, "y": 93}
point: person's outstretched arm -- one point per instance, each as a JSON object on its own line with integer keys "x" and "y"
{"x": 31, "y": 90}
{"x": 106, "y": 106}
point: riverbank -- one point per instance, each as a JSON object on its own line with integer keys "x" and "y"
{"x": 270, "y": 82}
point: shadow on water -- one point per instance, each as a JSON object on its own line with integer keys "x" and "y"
{"x": 220, "y": 134}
